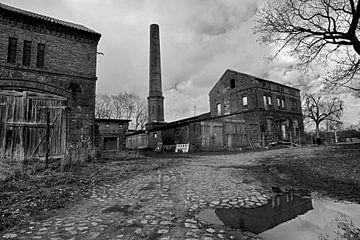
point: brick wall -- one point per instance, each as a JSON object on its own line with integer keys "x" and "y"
{"x": 232, "y": 87}
{"x": 69, "y": 69}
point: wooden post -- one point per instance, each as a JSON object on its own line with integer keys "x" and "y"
{"x": 47, "y": 137}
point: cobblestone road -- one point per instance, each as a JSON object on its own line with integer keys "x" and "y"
{"x": 161, "y": 204}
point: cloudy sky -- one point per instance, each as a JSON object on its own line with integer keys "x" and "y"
{"x": 200, "y": 39}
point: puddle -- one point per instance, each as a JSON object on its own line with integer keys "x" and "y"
{"x": 286, "y": 216}
{"x": 319, "y": 221}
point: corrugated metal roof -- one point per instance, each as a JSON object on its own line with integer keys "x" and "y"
{"x": 46, "y": 18}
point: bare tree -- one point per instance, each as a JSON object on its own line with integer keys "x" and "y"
{"x": 322, "y": 31}
{"x": 317, "y": 110}
{"x": 103, "y": 106}
{"x": 122, "y": 106}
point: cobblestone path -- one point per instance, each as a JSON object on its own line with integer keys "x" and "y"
{"x": 161, "y": 204}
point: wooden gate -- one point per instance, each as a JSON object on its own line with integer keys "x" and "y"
{"x": 32, "y": 125}
{"x": 235, "y": 134}
{"x": 212, "y": 135}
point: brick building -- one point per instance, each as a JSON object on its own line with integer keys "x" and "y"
{"x": 47, "y": 84}
{"x": 255, "y": 110}
{"x": 110, "y": 134}
{"x": 245, "y": 111}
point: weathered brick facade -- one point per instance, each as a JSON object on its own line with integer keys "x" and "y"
{"x": 110, "y": 134}
{"x": 69, "y": 64}
{"x": 270, "y": 108}
{"x": 245, "y": 111}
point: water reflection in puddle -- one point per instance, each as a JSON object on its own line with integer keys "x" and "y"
{"x": 318, "y": 221}
{"x": 286, "y": 216}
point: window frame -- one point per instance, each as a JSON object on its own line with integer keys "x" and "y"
{"x": 26, "y": 60}
{"x": 12, "y": 50}
{"x": 40, "y": 57}
{"x": 232, "y": 83}
{"x": 218, "y": 109}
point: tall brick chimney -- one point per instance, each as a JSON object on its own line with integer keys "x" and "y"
{"x": 155, "y": 98}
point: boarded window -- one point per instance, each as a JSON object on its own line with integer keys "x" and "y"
{"x": 110, "y": 143}
{"x": 12, "y": 50}
{"x": 232, "y": 83}
{"x": 27, "y": 53}
{"x": 245, "y": 101}
{"x": 40, "y": 62}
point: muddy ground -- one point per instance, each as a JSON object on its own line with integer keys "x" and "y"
{"x": 332, "y": 170}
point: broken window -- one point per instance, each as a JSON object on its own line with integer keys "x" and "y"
{"x": 26, "y": 53}
{"x": 40, "y": 61}
{"x": 245, "y": 101}
{"x": 12, "y": 48}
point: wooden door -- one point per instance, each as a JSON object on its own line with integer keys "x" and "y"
{"x": 32, "y": 125}
{"x": 212, "y": 135}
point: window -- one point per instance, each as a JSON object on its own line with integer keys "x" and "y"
{"x": 244, "y": 101}
{"x": 278, "y": 201}
{"x": 155, "y": 135}
{"x": 107, "y": 125}
{"x": 278, "y": 102}
{"x": 40, "y": 55}
{"x": 265, "y": 100}
{"x": 27, "y": 53}
{"x": 283, "y": 103}
{"x": 269, "y": 100}
{"x": 218, "y": 107}
{"x": 232, "y": 83}
{"x": 12, "y": 48}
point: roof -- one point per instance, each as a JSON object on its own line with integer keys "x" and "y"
{"x": 49, "y": 20}
{"x": 251, "y": 76}
{"x": 183, "y": 121}
{"x": 112, "y": 120}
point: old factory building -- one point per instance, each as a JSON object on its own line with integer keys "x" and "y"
{"x": 47, "y": 84}
{"x": 245, "y": 111}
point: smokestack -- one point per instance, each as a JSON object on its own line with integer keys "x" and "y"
{"x": 155, "y": 99}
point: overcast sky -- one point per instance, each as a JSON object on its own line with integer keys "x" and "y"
{"x": 200, "y": 39}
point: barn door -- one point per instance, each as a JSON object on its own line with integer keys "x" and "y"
{"x": 212, "y": 135}
{"x": 33, "y": 125}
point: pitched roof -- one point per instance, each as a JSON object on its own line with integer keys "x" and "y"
{"x": 248, "y": 76}
{"x": 47, "y": 19}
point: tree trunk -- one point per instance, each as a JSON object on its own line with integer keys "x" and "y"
{"x": 317, "y": 130}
